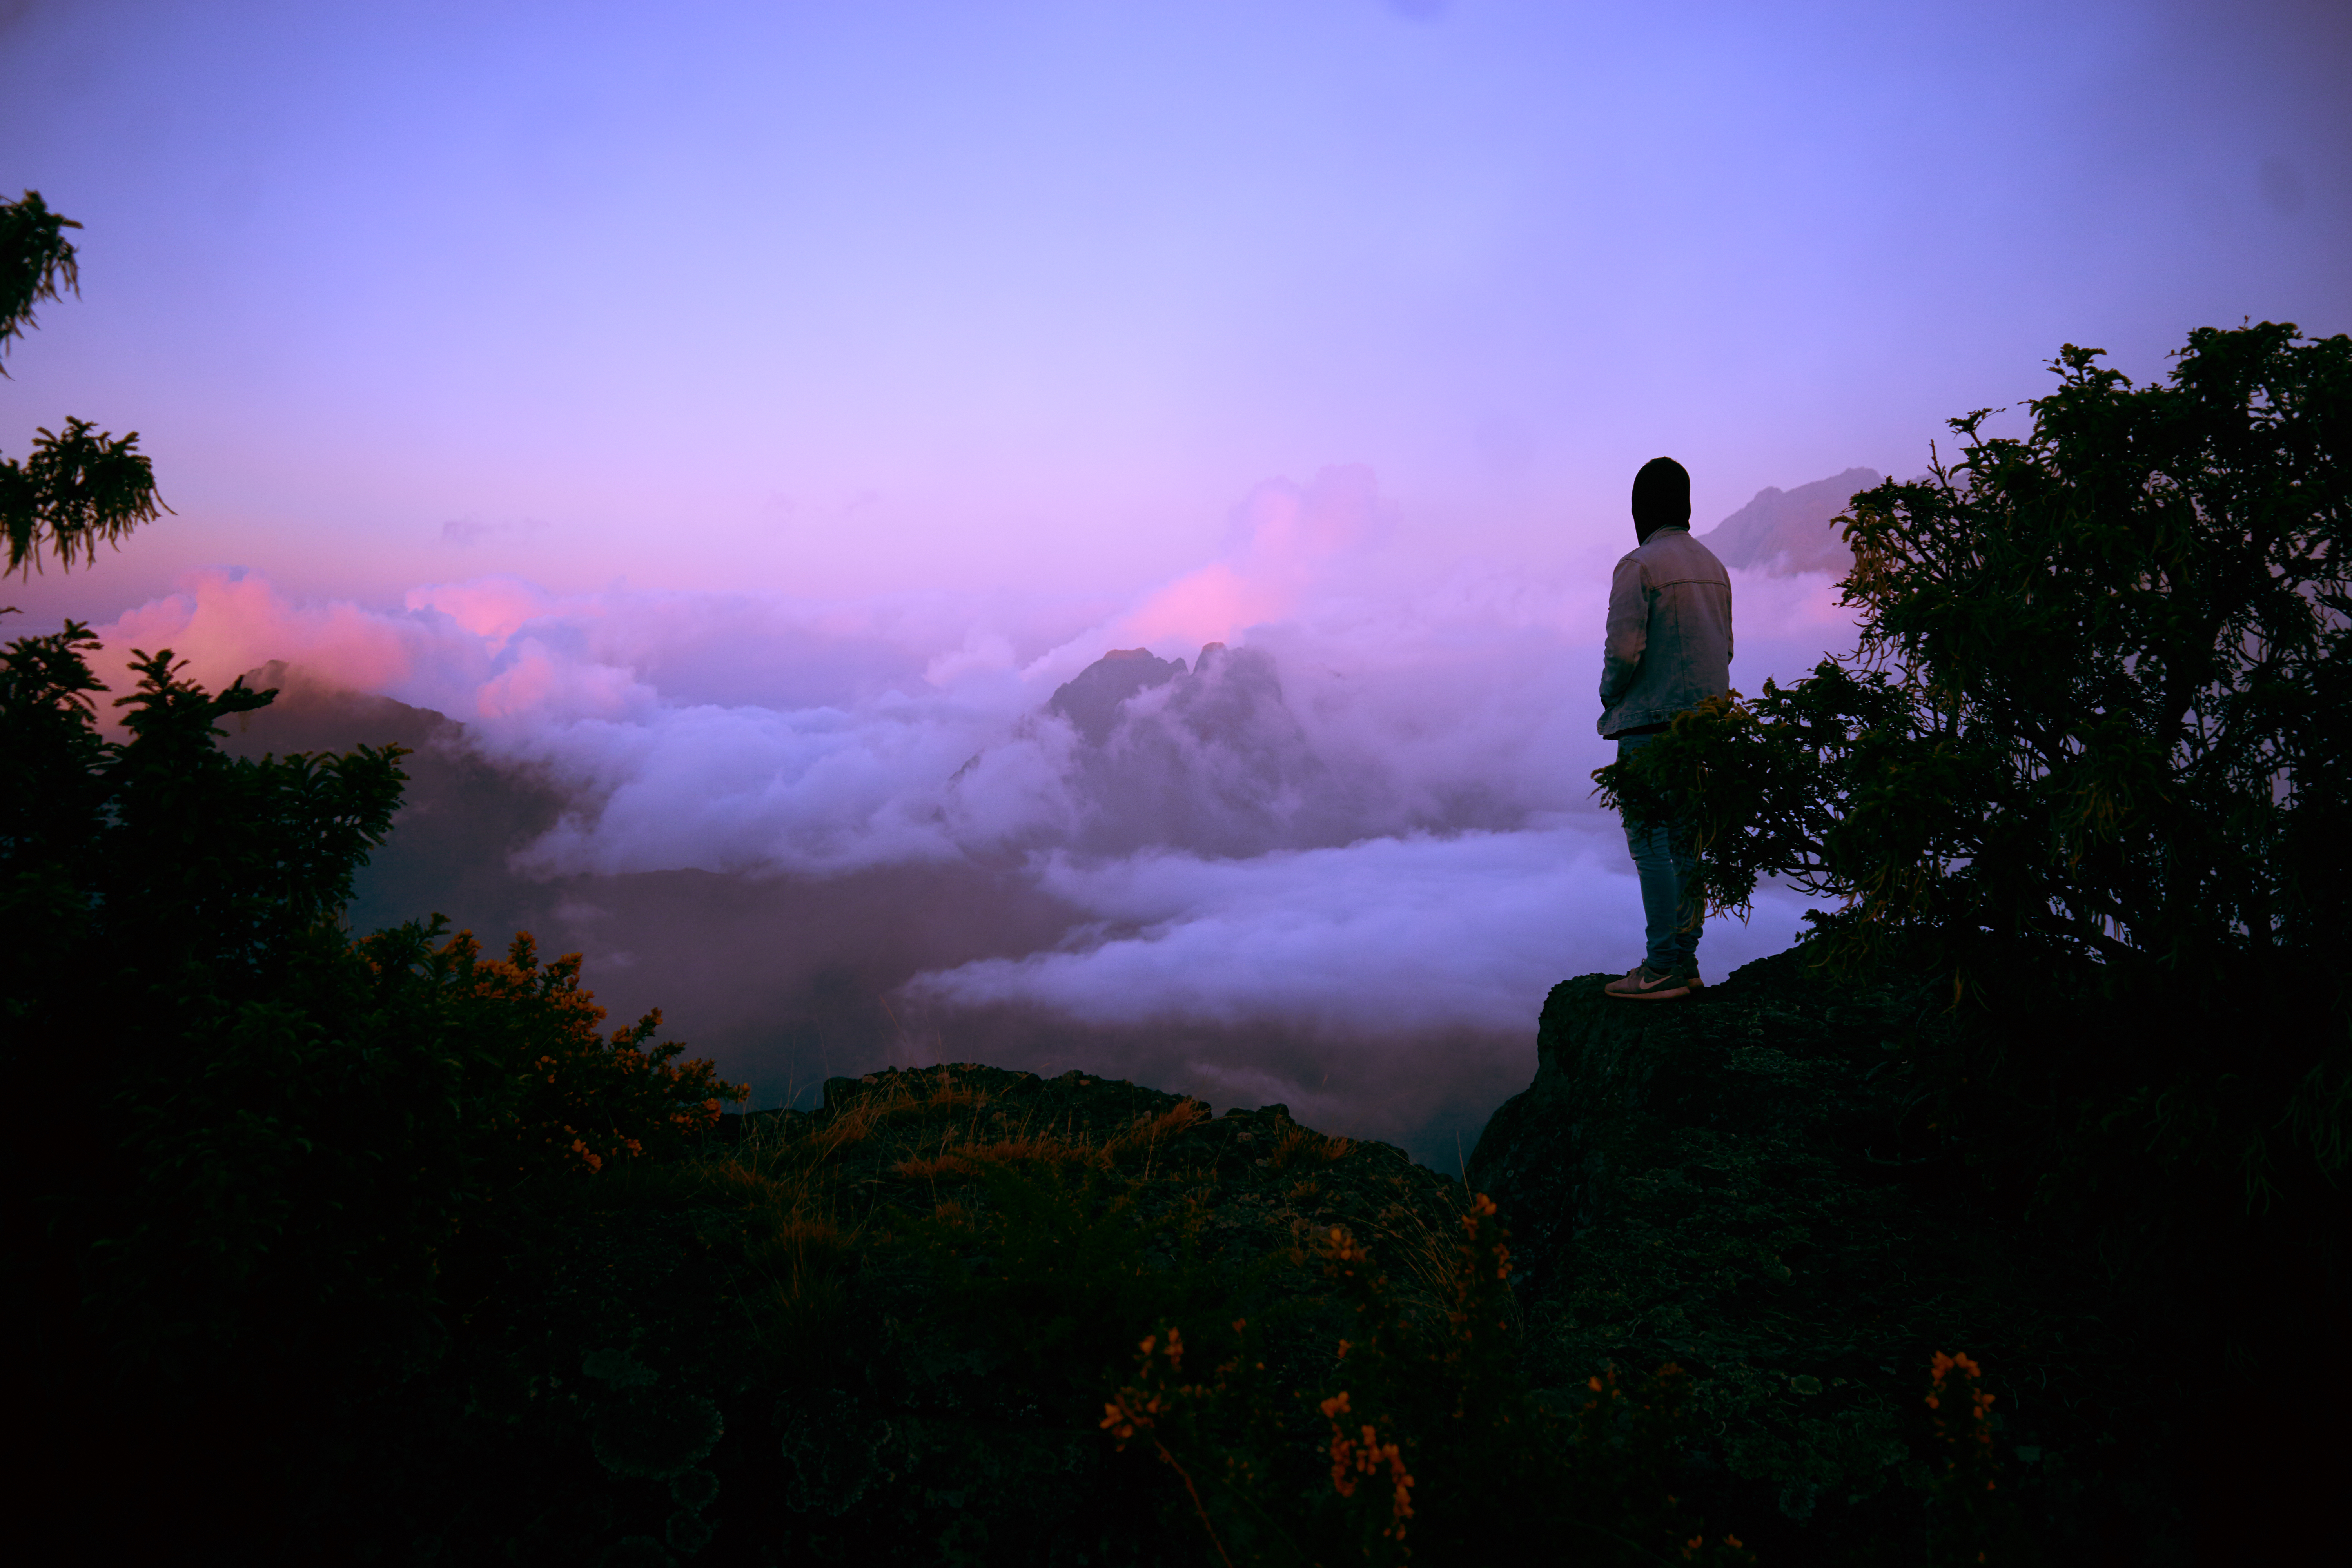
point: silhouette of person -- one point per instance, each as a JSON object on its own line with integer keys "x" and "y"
{"x": 1669, "y": 645}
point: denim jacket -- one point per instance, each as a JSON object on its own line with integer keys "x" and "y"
{"x": 1669, "y": 641}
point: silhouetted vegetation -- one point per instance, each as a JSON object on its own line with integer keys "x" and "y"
{"x": 378, "y": 1247}
{"x": 259, "y": 1141}
{"x": 944, "y": 1318}
{"x": 75, "y": 490}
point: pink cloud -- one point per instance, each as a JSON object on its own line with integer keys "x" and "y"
{"x": 1211, "y": 604}
{"x": 1281, "y": 522}
{"x": 492, "y": 608}
{"x": 224, "y": 622}
{"x": 539, "y": 684}
{"x": 1284, "y": 541}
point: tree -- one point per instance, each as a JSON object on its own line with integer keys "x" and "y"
{"x": 249, "y": 1144}
{"x": 2091, "y": 767}
{"x": 77, "y": 489}
{"x": 253, "y": 1150}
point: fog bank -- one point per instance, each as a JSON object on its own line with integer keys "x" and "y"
{"x": 1320, "y": 832}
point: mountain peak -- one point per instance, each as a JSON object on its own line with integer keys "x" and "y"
{"x": 1784, "y": 532}
{"x": 1091, "y": 699}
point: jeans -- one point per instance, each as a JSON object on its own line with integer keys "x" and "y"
{"x": 1671, "y": 920}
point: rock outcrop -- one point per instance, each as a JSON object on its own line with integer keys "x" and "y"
{"x": 1210, "y": 760}
{"x": 1092, "y": 699}
{"x": 1751, "y": 1184}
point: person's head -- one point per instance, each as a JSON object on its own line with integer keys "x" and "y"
{"x": 1661, "y": 497}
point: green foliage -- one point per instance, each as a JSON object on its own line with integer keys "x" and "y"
{"x": 52, "y": 799}
{"x": 568, "y": 1098}
{"x": 77, "y": 489}
{"x": 914, "y": 1309}
{"x": 694, "y": 1490}
{"x": 150, "y": 871}
{"x": 657, "y": 1433}
{"x": 906, "y": 1307}
{"x": 913, "y": 1306}
{"x": 2088, "y": 768}
{"x": 1044, "y": 1267}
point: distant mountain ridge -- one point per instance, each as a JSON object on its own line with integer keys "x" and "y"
{"x": 1783, "y": 532}
{"x": 1091, "y": 699}
{"x": 1209, "y": 758}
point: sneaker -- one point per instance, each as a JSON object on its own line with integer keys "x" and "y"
{"x": 1647, "y": 984}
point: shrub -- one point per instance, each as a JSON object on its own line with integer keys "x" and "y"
{"x": 1414, "y": 1436}
{"x": 276, "y": 1134}
{"x": 1971, "y": 1517}
{"x": 576, "y": 1099}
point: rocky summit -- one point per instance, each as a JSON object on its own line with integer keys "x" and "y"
{"x": 1751, "y": 1184}
{"x": 1092, "y": 699}
{"x": 1782, "y": 533}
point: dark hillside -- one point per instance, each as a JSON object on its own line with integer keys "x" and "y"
{"x": 882, "y": 1332}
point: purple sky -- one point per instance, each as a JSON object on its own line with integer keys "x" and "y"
{"x": 746, "y": 413}
{"x": 841, "y": 299}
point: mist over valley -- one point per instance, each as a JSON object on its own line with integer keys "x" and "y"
{"x": 1318, "y": 834}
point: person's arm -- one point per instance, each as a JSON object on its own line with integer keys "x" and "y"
{"x": 1628, "y": 634}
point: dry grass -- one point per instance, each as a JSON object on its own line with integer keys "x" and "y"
{"x": 964, "y": 1161}
{"x": 993, "y": 1137}
{"x": 1301, "y": 1147}
{"x": 1147, "y": 1133}
{"x": 810, "y": 1195}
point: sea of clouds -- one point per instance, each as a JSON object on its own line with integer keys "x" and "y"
{"x": 1339, "y": 865}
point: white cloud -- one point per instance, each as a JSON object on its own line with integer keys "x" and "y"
{"x": 1387, "y": 937}
{"x": 1374, "y": 814}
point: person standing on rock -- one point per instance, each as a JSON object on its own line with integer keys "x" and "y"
{"x": 1668, "y": 648}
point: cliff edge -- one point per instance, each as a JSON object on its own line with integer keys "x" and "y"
{"x": 1751, "y": 1184}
